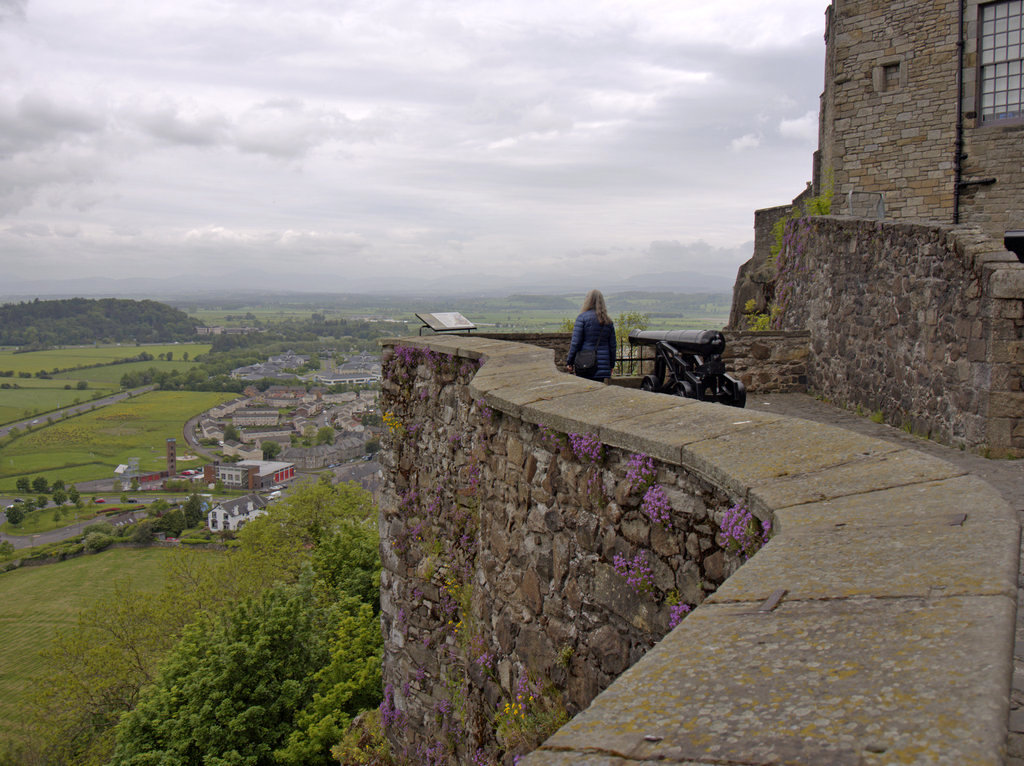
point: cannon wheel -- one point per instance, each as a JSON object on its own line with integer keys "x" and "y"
{"x": 650, "y": 383}
{"x": 739, "y": 395}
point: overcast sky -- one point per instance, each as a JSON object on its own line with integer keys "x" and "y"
{"x": 399, "y": 138}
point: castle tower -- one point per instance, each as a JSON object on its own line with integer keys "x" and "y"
{"x": 922, "y": 104}
{"x": 172, "y": 457}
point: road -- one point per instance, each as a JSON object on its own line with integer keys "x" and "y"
{"x": 63, "y": 533}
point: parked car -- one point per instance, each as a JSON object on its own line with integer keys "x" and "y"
{"x": 98, "y": 500}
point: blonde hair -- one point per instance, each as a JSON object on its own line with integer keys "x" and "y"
{"x": 595, "y": 301}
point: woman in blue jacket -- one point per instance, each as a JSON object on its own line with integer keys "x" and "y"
{"x": 594, "y": 329}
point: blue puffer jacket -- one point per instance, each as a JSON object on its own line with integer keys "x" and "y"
{"x": 589, "y": 333}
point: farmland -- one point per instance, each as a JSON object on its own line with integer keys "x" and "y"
{"x": 34, "y": 396}
{"x": 65, "y": 358}
{"x": 90, "y": 446}
{"x": 28, "y": 623}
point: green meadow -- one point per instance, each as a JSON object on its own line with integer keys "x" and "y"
{"x": 39, "y": 602}
{"x": 64, "y": 358}
{"x": 37, "y": 396}
{"x": 92, "y": 445}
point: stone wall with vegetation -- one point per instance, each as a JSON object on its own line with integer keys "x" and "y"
{"x": 921, "y": 323}
{"x": 527, "y": 564}
{"x": 540, "y": 532}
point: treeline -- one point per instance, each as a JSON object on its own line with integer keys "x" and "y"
{"x": 77, "y": 321}
{"x": 262, "y": 655}
{"x": 356, "y": 333}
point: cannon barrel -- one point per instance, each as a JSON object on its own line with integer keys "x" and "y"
{"x": 702, "y": 342}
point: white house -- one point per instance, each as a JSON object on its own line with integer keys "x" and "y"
{"x": 233, "y": 514}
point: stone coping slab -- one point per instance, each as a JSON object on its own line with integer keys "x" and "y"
{"x": 739, "y": 461}
{"x": 893, "y": 642}
{"x": 859, "y": 681}
{"x": 664, "y": 433}
{"x": 590, "y": 410}
{"x": 896, "y": 467}
{"x": 845, "y": 562}
{"x": 924, "y": 503}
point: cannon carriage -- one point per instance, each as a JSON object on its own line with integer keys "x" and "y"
{"x": 689, "y": 363}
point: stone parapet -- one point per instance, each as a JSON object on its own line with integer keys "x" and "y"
{"x": 921, "y": 323}
{"x": 875, "y": 627}
{"x": 769, "y": 362}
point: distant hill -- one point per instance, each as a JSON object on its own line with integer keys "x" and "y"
{"x": 80, "y": 320}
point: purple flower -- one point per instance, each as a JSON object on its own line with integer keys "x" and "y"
{"x": 636, "y": 570}
{"x": 656, "y": 505}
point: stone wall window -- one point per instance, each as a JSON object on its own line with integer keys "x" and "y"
{"x": 1001, "y": 49}
{"x": 888, "y": 76}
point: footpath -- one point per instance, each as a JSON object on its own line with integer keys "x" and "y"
{"x": 1005, "y": 476}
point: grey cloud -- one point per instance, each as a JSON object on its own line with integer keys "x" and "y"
{"x": 29, "y": 230}
{"x": 12, "y": 10}
{"x": 167, "y": 123}
{"x": 35, "y": 120}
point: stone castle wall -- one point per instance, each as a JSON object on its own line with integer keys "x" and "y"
{"x": 500, "y": 567}
{"x": 924, "y": 323}
{"x": 876, "y": 626}
{"x": 889, "y": 116}
{"x": 892, "y": 134}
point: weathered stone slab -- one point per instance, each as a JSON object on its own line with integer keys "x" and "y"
{"x": 590, "y": 410}
{"x": 512, "y": 398}
{"x": 863, "y": 681}
{"x": 890, "y": 467}
{"x": 845, "y": 562}
{"x": 749, "y": 458}
{"x": 900, "y": 506}
{"x": 662, "y": 433}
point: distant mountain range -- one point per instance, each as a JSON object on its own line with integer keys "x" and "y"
{"x": 14, "y": 290}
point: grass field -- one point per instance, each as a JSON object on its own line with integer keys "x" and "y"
{"x": 90, "y": 446}
{"x": 41, "y": 601}
{"x": 65, "y": 358}
{"x": 36, "y": 396}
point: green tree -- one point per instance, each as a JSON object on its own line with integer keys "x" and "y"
{"x": 230, "y": 690}
{"x": 348, "y": 685}
{"x": 193, "y": 510}
{"x": 231, "y": 433}
{"x": 172, "y": 522}
{"x": 271, "y": 449}
{"x": 23, "y": 484}
{"x": 59, "y": 496}
{"x": 40, "y": 485}
{"x": 628, "y": 321}
{"x": 82, "y": 385}
{"x": 43, "y": 501}
{"x": 325, "y": 435}
{"x": 16, "y": 514}
{"x": 58, "y": 484}
{"x": 6, "y": 549}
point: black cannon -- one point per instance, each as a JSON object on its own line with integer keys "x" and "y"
{"x": 689, "y": 363}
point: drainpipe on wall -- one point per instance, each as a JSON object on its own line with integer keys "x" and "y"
{"x": 958, "y": 159}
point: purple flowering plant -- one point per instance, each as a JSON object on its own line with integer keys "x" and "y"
{"x": 640, "y": 472}
{"x": 636, "y": 570}
{"x": 742, "y": 533}
{"x": 657, "y": 506}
